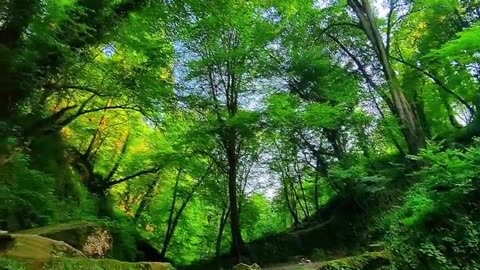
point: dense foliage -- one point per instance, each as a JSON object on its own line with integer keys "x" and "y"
{"x": 202, "y": 128}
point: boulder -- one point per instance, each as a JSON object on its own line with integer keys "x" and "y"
{"x": 34, "y": 247}
{"x": 90, "y": 238}
{"x": 103, "y": 264}
{"x": 33, "y": 252}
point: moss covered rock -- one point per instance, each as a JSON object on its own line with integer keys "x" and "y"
{"x": 61, "y": 263}
{"x": 34, "y": 247}
{"x": 33, "y": 252}
{"x": 101, "y": 264}
{"x": 91, "y": 238}
{"x": 367, "y": 261}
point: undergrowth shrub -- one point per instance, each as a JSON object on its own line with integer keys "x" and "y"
{"x": 8, "y": 264}
{"x": 81, "y": 207}
{"x": 26, "y": 194}
{"x": 124, "y": 235}
{"x": 438, "y": 225}
{"x": 37, "y": 186}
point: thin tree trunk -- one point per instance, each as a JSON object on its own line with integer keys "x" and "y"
{"x": 290, "y": 207}
{"x": 316, "y": 187}
{"x": 221, "y": 229}
{"x": 243, "y": 182}
{"x": 296, "y": 198}
{"x": 174, "y": 216}
{"x": 300, "y": 182}
{"x": 147, "y": 198}
{"x": 168, "y": 234}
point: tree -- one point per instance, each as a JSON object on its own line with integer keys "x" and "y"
{"x": 400, "y": 105}
{"x": 223, "y": 63}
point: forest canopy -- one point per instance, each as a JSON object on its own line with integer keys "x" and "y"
{"x": 208, "y": 130}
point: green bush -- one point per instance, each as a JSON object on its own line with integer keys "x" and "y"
{"x": 438, "y": 225}
{"x": 26, "y": 194}
{"x": 82, "y": 207}
{"x": 37, "y": 186}
{"x": 124, "y": 236}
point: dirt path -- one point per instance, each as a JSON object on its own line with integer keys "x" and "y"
{"x": 297, "y": 266}
{"x": 377, "y": 258}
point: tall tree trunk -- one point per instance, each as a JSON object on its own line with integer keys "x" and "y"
{"x": 171, "y": 217}
{"x": 238, "y": 245}
{"x": 404, "y": 109}
{"x": 166, "y": 243}
{"x": 174, "y": 215}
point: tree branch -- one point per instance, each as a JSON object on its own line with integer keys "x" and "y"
{"x": 438, "y": 82}
{"x": 140, "y": 173}
{"x": 331, "y": 26}
{"x": 80, "y": 113}
{"x": 364, "y": 73}
{"x": 84, "y": 88}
